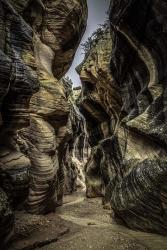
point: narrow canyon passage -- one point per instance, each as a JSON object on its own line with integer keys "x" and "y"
{"x": 83, "y": 161}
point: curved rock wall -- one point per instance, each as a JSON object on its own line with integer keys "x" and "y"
{"x": 38, "y": 42}
{"x": 57, "y": 34}
{"x": 128, "y": 161}
{"x": 140, "y": 71}
{"x": 100, "y": 104}
{"x": 18, "y": 83}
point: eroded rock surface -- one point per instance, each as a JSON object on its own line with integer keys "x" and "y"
{"x": 18, "y": 83}
{"x": 38, "y": 42}
{"x": 100, "y": 104}
{"x": 58, "y": 30}
{"x": 143, "y": 91}
{"x": 128, "y": 164}
{"x": 6, "y": 219}
{"x": 77, "y": 148}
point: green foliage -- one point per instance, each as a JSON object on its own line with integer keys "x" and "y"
{"x": 94, "y": 38}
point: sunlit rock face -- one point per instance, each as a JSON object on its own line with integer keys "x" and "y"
{"x": 129, "y": 162}
{"x": 58, "y": 28}
{"x": 37, "y": 46}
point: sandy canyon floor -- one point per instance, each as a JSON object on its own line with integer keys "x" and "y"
{"x": 80, "y": 224}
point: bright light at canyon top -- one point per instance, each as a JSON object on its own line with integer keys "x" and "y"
{"x": 97, "y": 14}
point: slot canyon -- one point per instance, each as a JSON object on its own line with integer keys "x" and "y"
{"x": 83, "y": 167}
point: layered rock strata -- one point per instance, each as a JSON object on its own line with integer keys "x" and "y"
{"x": 77, "y": 148}
{"x": 37, "y": 46}
{"x": 140, "y": 71}
{"x": 18, "y": 83}
{"x": 58, "y": 31}
{"x": 102, "y": 115}
{"x": 128, "y": 164}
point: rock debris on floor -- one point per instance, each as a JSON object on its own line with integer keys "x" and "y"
{"x": 80, "y": 224}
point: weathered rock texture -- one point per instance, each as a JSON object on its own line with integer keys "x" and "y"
{"x": 58, "y": 30}
{"x": 18, "y": 83}
{"x": 140, "y": 71}
{"x": 100, "y": 104}
{"x": 131, "y": 155}
{"x": 6, "y": 220}
{"x": 77, "y": 148}
{"x": 37, "y": 46}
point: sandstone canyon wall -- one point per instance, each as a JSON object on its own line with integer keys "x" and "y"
{"x": 77, "y": 148}
{"x": 102, "y": 115}
{"x": 123, "y": 100}
{"x": 37, "y": 45}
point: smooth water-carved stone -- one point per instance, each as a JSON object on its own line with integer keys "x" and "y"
{"x": 100, "y": 104}
{"x": 18, "y": 83}
{"x": 138, "y": 198}
{"x": 38, "y": 42}
{"x": 49, "y": 129}
{"x": 129, "y": 152}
